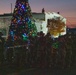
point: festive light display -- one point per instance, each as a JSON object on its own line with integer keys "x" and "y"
{"x": 22, "y": 24}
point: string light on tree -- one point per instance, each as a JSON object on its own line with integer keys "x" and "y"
{"x": 21, "y": 23}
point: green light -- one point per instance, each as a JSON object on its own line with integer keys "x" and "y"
{"x": 55, "y": 45}
{"x": 25, "y": 37}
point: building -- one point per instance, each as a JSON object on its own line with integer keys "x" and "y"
{"x": 71, "y": 31}
{"x": 41, "y": 21}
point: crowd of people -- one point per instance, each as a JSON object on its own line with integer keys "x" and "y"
{"x": 41, "y": 51}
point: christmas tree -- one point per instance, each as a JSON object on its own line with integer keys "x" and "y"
{"x": 22, "y": 24}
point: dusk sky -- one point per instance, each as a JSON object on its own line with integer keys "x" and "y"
{"x": 67, "y": 8}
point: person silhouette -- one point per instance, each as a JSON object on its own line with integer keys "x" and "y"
{"x": 1, "y": 48}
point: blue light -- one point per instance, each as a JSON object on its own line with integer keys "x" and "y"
{"x": 11, "y": 32}
{"x": 18, "y": 21}
{"x": 23, "y": 6}
{"x": 24, "y": 35}
{"x": 26, "y": 19}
